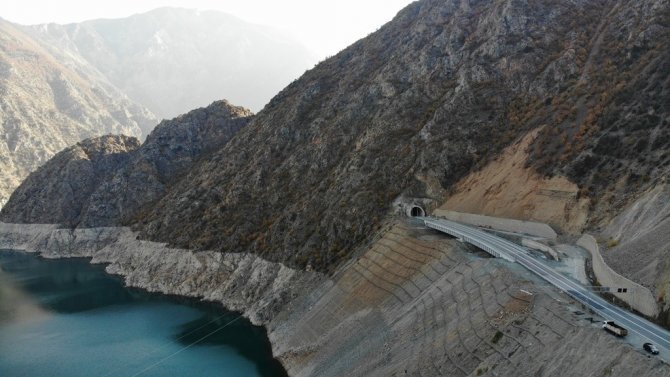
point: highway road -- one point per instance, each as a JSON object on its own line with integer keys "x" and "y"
{"x": 513, "y": 252}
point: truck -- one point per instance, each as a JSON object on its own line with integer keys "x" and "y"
{"x": 615, "y": 329}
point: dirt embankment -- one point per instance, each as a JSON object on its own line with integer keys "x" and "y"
{"x": 637, "y": 243}
{"x": 507, "y": 188}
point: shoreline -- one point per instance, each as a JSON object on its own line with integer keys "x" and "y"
{"x": 241, "y": 283}
{"x": 411, "y": 300}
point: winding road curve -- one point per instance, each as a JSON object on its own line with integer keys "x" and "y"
{"x": 512, "y": 252}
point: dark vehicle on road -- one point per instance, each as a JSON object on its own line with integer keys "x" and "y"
{"x": 650, "y": 348}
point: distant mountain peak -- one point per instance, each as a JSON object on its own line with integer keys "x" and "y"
{"x": 49, "y": 102}
{"x": 176, "y": 59}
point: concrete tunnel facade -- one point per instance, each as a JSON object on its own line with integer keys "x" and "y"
{"x": 415, "y": 211}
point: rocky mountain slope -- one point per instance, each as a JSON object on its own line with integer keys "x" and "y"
{"x": 173, "y": 60}
{"x": 61, "y": 188}
{"x": 104, "y": 181}
{"x": 47, "y": 104}
{"x": 432, "y": 97}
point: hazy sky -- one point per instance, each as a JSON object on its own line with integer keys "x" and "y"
{"x": 325, "y": 26}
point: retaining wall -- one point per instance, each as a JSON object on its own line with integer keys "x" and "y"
{"x": 638, "y": 297}
{"x": 499, "y": 223}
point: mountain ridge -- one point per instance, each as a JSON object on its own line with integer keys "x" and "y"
{"x": 46, "y": 105}
{"x": 176, "y": 59}
{"x": 107, "y": 180}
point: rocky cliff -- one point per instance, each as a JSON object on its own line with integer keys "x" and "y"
{"x": 173, "y": 60}
{"x": 107, "y": 180}
{"x": 47, "y": 104}
{"x": 167, "y": 155}
{"x": 429, "y": 98}
{"x": 60, "y": 190}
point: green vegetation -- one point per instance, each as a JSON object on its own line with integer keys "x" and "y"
{"x": 496, "y": 337}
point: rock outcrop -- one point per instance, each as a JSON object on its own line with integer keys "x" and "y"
{"x": 102, "y": 181}
{"x": 171, "y": 149}
{"x": 60, "y": 190}
{"x": 48, "y": 104}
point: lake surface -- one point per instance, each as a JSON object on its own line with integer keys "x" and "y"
{"x": 69, "y": 318}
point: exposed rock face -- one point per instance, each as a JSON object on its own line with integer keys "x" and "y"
{"x": 60, "y": 190}
{"x": 414, "y": 107}
{"x": 47, "y": 104}
{"x": 428, "y": 99}
{"x": 101, "y": 181}
{"x": 166, "y": 156}
{"x": 174, "y": 60}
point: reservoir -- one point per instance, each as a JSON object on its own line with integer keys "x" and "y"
{"x": 68, "y": 318}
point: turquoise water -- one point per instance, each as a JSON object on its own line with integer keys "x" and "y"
{"x": 68, "y": 318}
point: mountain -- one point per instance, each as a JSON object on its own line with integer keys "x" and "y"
{"x": 106, "y": 180}
{"x": 63, "y": 186}
{"x": 431, "y": 97}
{"x": 576, "y": 94}
{"x": 60, "y": 84}
{"x": 537, "y": 110}
{"x": 173, "y": 60}
{"x": 47, "y": 104}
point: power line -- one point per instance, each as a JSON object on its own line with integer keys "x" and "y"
{"x": 177, "y": 339}
{"x": 185, "y": 348}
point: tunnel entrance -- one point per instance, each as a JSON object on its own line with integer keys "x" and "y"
{"x": 417, "y": 211}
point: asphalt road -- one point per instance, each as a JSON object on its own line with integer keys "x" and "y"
{"x": 633, "y": 323}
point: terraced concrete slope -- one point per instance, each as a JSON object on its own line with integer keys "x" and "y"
{"x": 47, "y": 104}
{"x": 416, "y": 303}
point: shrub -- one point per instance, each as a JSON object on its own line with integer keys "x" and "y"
{"x": 612, "y": 243}
{"x": 496, "y": 337}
